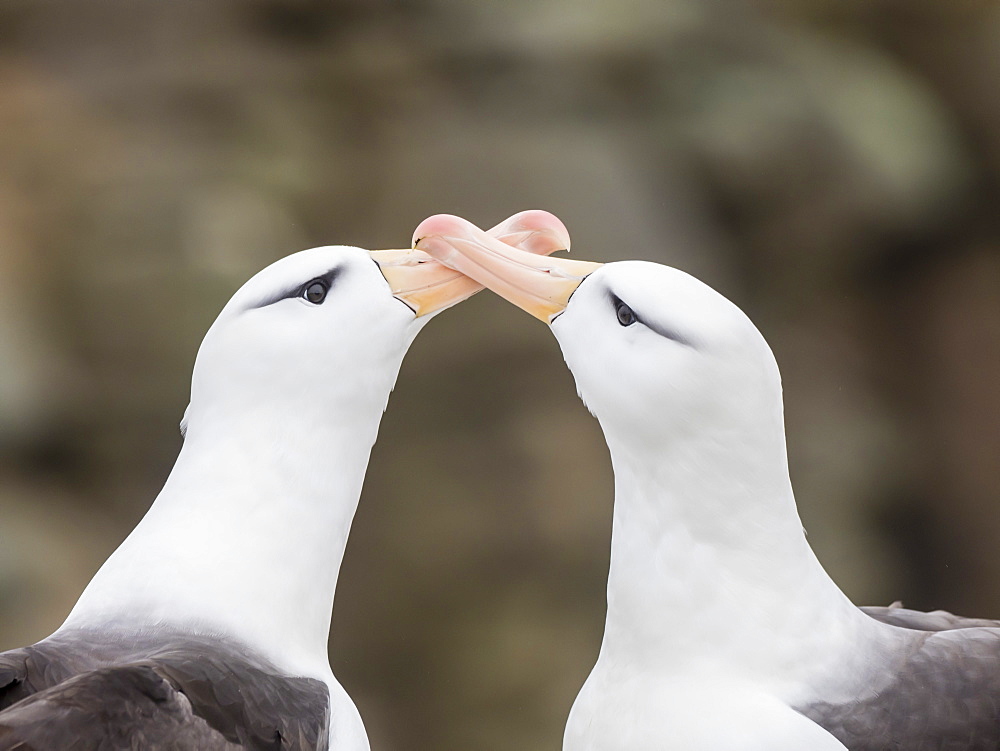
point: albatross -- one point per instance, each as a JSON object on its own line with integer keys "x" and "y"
{"x": 208, "y": 627}
{"x": 723, "y": 631}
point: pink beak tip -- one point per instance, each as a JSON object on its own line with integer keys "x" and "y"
{"x": 537, "y": 219}
{"x": 445, "y": 225}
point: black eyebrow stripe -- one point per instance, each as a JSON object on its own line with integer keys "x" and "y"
{"x": 668, "y": 334}
{"x": 655, "y": 328}
{"x": 329, "y": 278}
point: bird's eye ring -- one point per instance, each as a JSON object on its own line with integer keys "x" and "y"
{"x": 315, "y": 291}
{"x": 626, "y": 316}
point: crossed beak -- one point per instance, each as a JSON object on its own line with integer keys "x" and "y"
{"x": 427, "y": 286}
{"x": 422, "y": 283}
{"x": 541, "y": 286}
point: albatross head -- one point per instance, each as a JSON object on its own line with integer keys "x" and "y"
{"x": 317, "y": 333}
{"x": 661, "y": 357}
{"x": 323, "y": 332}
{"x": 656, "y": 354}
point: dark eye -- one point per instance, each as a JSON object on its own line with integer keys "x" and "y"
{"x": 625, "y": 315}
{"x": 315, "y": 292}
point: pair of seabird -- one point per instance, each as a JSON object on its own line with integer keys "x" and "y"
{"x": 208, "y": 627}
{"x": 723, "y": 631}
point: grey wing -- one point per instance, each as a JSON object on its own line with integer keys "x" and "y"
{"x": 26, "y": 671}
{"x": 250, "y": 705}
{"x": 130, "y": 707}
{"x": 211, "y": 686}
{"x": 13, "y": 674}
{"x": 943, "y": 696}
{"x": 936, "y": 620}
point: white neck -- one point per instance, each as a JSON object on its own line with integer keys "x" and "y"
{"x": 246, "y": 538}
{"x": 710, "y": 568}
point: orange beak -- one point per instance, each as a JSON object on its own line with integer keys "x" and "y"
{"x": 428, "y": 286}
{"x": 541, "y": 286}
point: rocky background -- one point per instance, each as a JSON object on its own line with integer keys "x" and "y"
{"x": 831, "y": 165}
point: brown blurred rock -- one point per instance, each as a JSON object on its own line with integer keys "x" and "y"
{"x": 50, "y": 546}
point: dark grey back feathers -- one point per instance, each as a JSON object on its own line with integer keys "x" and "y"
{"x": 90, "y": 690}
{"x": 945, "y": 695}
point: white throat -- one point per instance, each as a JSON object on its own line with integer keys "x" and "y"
{"x": 246, "y": 538}
{"x": 710, "y": 568}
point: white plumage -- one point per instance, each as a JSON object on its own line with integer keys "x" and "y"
{"x": 723, "y": 631}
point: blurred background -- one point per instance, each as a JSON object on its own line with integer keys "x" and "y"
{"x": 833, "y": 166}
